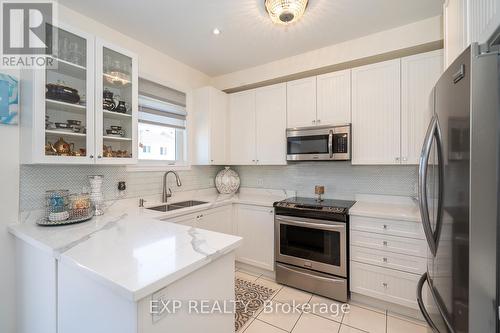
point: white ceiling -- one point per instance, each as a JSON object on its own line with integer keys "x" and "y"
{"x": 183, "y": 28}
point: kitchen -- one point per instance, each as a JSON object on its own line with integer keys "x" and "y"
{"x": 148, "y": 166}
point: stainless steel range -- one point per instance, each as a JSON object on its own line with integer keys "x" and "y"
{"x": 311, "y": 245}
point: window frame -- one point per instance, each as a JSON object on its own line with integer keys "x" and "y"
{"x": 158, "y": 165}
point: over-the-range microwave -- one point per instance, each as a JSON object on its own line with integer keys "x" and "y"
{"x": 319, "y": 143}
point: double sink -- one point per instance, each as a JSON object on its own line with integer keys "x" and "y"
{"x": 177, "y": 205}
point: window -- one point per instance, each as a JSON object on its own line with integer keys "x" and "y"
{"x": 162, "y": 124}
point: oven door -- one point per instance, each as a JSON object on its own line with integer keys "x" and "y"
{"x": 313, "y": 244}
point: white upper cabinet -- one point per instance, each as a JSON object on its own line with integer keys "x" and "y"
{"x": 271, "y": 125}
{"x": 65, "y": 118}
{"x": 376, "y": 113}
{"x": 301, "y": 102}
{"x": 116, "y": 104}
{"x": 257, "y": 126}
{"x": 484, "y": 19}
{"x": 456, "y": 27}
{"x": 210, "y": 120}
{"x": 56, "y": 97}
{"x": 334, "y": 98}
{"x": 242, "y": 128}
{"x": 419, "y": 74}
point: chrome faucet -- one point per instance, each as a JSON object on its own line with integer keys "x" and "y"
{"x": 167, "y": 192}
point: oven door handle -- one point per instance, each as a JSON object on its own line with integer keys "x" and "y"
{"x": 313, "y": 225}
{"x": 330, "y": 143}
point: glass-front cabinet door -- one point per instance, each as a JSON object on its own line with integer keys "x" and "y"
{"x": 63, "y": 95}
{"x": 116, "y": 105}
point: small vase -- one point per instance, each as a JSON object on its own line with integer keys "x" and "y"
{"x": 227, "y": 181}
{"x": 96, "y": 195}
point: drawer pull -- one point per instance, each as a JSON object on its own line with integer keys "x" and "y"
{"x": 385, "y": 259}
{"x": 385, "y": 226}
{"x": 384, "y": 243}
{"x": 385, "y": 284}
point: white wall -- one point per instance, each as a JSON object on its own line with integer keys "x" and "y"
{"x": 418, "y": 33}
{"x": 9, "y": 208}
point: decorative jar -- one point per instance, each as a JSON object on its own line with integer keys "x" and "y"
{"x": 227, "y": 181}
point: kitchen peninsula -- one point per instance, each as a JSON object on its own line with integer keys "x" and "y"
{"x": 104, "y": 275}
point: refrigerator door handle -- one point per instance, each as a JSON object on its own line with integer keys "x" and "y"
{"x": 330, "y": 143}
{"x": 422, "y": 185}
{"x": 421, "y": 304}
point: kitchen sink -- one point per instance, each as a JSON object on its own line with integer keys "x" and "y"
{"x": 189, "y": 203}
{"x": 177, "y": 205}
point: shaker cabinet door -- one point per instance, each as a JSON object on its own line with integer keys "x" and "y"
{"x": 376, "y": 113}
{"x": 419, "y": 75}
{"x": 301, "y": 102}
{"x": 271, "y": 125}
{"x": 242, "y": 128}
{"x": 334, "y": 98}
{"x": 256, "y": 225}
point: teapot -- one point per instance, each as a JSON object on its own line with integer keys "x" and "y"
{"x": 62, "y": 148}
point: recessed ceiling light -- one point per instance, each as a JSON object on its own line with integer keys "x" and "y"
{"x": 216, "y": 31}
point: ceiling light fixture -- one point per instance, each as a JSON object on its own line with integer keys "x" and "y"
{"x": 285, "y": 11}
{"x": 216, "y": 31}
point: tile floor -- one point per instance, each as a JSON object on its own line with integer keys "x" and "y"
{"x": 360, "y": 318}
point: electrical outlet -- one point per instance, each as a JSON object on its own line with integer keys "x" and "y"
{"x": 260, "y": 182}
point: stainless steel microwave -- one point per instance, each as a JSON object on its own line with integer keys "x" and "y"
{"x": 319, "y": 143}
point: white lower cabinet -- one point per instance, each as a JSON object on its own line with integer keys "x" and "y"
{"x": 215, "y": 219}
{"x": 387, "y": 284}
{"x": 256, "y": 225}
{"x": 387, "y": 259}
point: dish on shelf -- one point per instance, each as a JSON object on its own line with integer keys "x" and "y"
{"x": 118, "y": 133}
{"x": 74, "y": 122}
{"x": 60, "y": 92}
{"x": 109, "y": 152}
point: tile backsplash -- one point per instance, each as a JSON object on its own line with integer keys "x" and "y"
{"x": 36, "y": 179}
{"x": 341, "y": 180}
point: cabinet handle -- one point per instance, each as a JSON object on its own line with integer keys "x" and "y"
{"x": 314, "y": 122}
{"x": 384, "y": 243}
{"x": 385, "y": 226}
{"x": 384, "y": 259}
{"x": 385, "y": 284}
{"x": 99, "y": 156}
{"x": 397, "y": 159}
{"x": 91, "y": 156}
{"x": 318, "y": 121}
{"x": 405, "y": 159}
{"x": 271, "y": 211}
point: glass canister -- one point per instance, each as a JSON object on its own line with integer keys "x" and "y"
{"x": 56, "y": 205}
{"x": 80, "y": 206}
{"x": 96, "y": 195}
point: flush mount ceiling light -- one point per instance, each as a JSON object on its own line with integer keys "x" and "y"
{"x": 285, "y": 11}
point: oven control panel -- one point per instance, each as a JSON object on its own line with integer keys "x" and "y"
{"x": 319, "y": 208}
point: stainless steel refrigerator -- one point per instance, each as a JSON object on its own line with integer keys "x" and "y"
{"x": 458, "y": 196}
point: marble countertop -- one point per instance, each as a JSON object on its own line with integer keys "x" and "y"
{"x": 136, "y": 251}
{"x": 394, "y": 208}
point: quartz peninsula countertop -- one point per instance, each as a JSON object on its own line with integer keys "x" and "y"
{"x": 136, "y": 251}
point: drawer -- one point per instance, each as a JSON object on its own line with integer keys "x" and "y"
{"x": 386, "y": 259}
{"x": 386, "y": 284}
{"x": 387, "y": 227}
{"x": 409, "y": 246}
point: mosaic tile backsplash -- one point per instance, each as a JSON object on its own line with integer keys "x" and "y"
{"x": 341, "y": 180}
{"x": 36, "y": 179}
